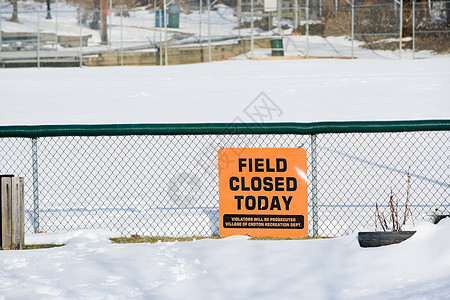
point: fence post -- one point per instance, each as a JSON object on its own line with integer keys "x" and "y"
{"x": 200, "y": 23}
{"x": 239, "y": 14}
{"x": 1, "y": 36}
{"x": 12, "y": 214}
{"x": 315, "y": 209}
{"x": 121, "y": 37}
{"x": 154, "y": 30}
{"x": 166, "y": 59}
{"x": 55, "y": 12}
{"x": 307, "y": 29}
{"x": 401, "y": 31}
{"x": 110, "y": 25}
{"x": 5, "y": 197}
{"x": 296, "y": 15}
{"x": 353, "y": 27}
{"x": 413, "y": 29}
{"x": 38, "y": 42}
{"x": 34, "y": 158}
{"x": 160, "y": 37}
{"x": 17, "y": 210}
{"x": 279, "y": 7}
{"x": 251, "y": 25}
{"x": 209, "y": 30}
{"x": 81, "y": 39}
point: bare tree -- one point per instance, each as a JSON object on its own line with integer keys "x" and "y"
{"x": 104, "y": 28}
{"x": 448, "y": 13}
{"x": 15, "y": 16}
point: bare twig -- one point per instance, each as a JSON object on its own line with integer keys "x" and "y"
{"x": 376, "y": 216}
{"x": 407, "y": 199}
{"x": 392, "y": 210}
{"x": 381, "y": 218}
{"x": 394, "y": 216}
{"x": 385, "y": 223}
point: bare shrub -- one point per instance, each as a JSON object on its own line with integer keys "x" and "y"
{"x": 338, "y": 23}
{"x": 393, "y": 216}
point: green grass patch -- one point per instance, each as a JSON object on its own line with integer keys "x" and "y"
{"x": 271, "y": 238}
{"x": 41, "y": 246}
{"x": 164, "y": 239}
{"x": 155, "y": 239}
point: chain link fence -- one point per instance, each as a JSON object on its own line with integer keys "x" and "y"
{"x": 430, "y": 26}
{"x": 342, "y": 29}
{"x": 198, "y": 31}
{"x": 162, "y": 180}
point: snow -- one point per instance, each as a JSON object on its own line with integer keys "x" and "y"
{"x": 136, "y": 30}
{"x": 90, "y": 266}
{"x": 337, "y": 47}
{"x": 362, "y": 89}
{"x": 304, "y": 90}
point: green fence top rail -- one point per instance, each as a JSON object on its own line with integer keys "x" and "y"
{"x": 223, "y": 128}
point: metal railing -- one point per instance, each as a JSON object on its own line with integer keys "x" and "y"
{"x": 308, "y": 28}
{"x": 162, "y": 179}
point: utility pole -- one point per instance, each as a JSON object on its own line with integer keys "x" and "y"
{"x": 239, "y": 14}
{"x": 280, "y": 16}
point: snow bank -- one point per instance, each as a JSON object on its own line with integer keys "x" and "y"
{"x": 92, "y": 267}
{"x": 59, "y": 238}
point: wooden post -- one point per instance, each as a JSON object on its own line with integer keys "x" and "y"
{"x": 12, "y": 212}
{"x": 17, "y": 214}
{"x": 5, "y": 199}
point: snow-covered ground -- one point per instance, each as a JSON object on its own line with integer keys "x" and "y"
{"x": 138, "y": 29}
{"x": 304, "y": 90}
{"x": 89, "y": 266}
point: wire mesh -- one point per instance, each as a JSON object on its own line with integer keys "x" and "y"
{"x": 198, "y": 31}
{"x": 167, "y": 185}
{"x": 431, "y": 26}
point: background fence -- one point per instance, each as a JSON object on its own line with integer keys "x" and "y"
{"x": 430, "y": 25}
{"x": 207, "y": 30}
{"x": 162, "y": 180}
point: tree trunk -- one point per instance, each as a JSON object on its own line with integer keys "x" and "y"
{"x": 15, "y": 16}
{"x": 96, "y": 16}
{"x": 448, "y": 13}
{"x": 104, "y": 28}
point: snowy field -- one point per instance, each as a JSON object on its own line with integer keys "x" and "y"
{"x": 91, "y": 267}
{"x": 304, "y": 90}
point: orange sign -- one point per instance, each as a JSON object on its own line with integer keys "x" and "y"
{"x": 263, "y": 192}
